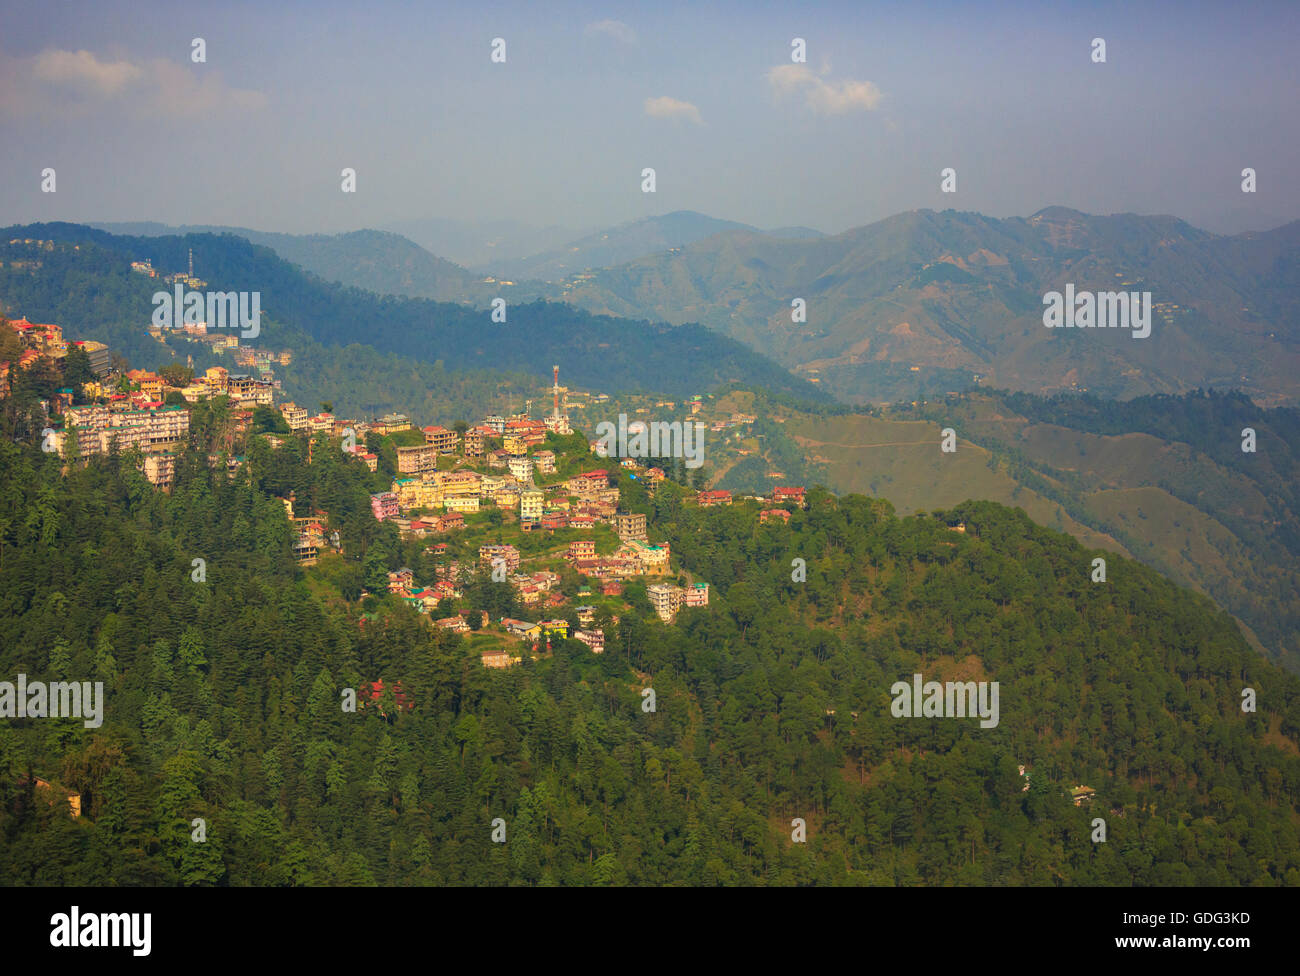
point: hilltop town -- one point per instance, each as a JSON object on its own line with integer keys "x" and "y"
{"x": 523, "y": 502}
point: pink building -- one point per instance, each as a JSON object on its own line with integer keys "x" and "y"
{"x": 384, "y": 505}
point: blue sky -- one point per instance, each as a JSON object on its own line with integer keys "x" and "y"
{"x": 591, "y": 93}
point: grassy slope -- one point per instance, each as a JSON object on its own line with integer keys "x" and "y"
{"x": 1112, "y": 481}
{"x": 900, "y": 460}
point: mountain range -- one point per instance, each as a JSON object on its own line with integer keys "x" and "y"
{"x": 482, "y": 243}
{"x": 959, "y": 297}
{"x": 87, "y": 286}
{"x": 374, "y": 260}
{"x": 920, "y": 303}
{"x": 631, "y": 241}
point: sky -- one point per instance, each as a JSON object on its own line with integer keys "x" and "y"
{"x": 590, "y": 94}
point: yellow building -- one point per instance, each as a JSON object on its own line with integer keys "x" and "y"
{"x": 216, "y": 378}
{"x": 530, "y": 504}
{"x": 413, "y": 493}
{"x": 459, "y": 483}
{"x": 461, "y": 503}
{"x": 558, "y": 628}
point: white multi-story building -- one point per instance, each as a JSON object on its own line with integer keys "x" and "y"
{"x": 595, "y": 639}
{"x": 294, "y": 415}
{"x": 521, "y": 469}
{"x": 665, "y": 598}
{"x": 160, "y": 469}
{"x": 100, "y": 430}
{"x": 530, "y": 504}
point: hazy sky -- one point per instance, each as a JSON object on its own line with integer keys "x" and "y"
{"x": 590, "y": 93}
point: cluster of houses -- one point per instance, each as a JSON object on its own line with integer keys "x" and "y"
{"x": 300, "y": 420}
{"x": 538, "y": 634}
{"x": 634, "y": 557}
{"x": 737, "y": 420}
{"x": 426, "y": 598}
{"x": 420, "y": 486}
{"x": 147, "y": 269}
{"x": 540, "y": 588}
{"x": 418, "y": 528}
{"x": 141, "y": 419}
{"x": 310, "y": 536}
{"x": 781, "y": 495}
{"x": 425, "y": 500}
{"x": 244, "y": 390}
{"x": 131, "y": 410}
{"x": 124, "y": 423}
{"x": 218, "y": 340}
{"x": 668, "y": 598}
{"x": 46, "y": 339}
{"x": 261, "y": 363}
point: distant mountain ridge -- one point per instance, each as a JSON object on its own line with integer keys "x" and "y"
{"x": 94, "y": 294}
{"x": 917, "y": 304}
{"x": 619, "y": 245}
{"x": 959, "y": 296}
{"x": 374, "y": 260}
{"x": 484, "y": 243}
{"x": 393, "y": 264}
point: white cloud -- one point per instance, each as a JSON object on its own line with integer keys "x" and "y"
{"x": 614, "y": 28}
{"x": 58, "y": 82}
{"x": 825, "y": 97}
{"x": 182, "y": 92}
{"x": 84, "y": 73}
{"x": 665, "y": 107}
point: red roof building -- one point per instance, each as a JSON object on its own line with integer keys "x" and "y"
{"x": 792, "y": 493}
{"x": 374, "y": 693}
{"x": 452, "y": 520}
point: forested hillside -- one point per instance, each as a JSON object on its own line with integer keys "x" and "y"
{"x": 372, "y": 260}
{"x": 1167, "y": 478}
{"x": 1163, "y": 479}
{"x": 223, "y": 703}
{"x": 91, "y": 292}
